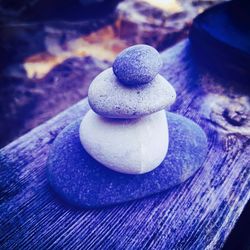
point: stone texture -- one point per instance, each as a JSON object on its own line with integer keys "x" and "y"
{"x": 109, "y": 98}
{"x": 83, "y": 182}
{"x": 138, "y": 64}
{"x": 130, "y": 146}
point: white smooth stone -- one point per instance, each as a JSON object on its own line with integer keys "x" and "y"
{"x": 131, "y": 146}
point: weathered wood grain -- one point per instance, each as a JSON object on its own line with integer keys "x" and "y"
{"x": 196, "y": 215}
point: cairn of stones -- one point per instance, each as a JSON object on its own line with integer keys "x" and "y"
{"x": 126, "y": 128}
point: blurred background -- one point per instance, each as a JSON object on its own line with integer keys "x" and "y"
{"x": 51, "y": 50}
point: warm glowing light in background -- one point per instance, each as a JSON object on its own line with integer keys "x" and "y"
{"x": 102, "y": 44}
{"x": 105, "y": 43}
{"x": 170, "y": 6}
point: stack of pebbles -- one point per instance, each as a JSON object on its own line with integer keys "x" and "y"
{"x": 126, "y": 128}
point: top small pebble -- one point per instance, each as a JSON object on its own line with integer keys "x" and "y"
{"x": 136, "y": 65}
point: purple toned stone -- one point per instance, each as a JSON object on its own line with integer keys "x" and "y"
{"x": 138, "y": 64}
{"x": 83, "y": 182}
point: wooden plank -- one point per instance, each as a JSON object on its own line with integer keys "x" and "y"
{"x": 196, "y": 215}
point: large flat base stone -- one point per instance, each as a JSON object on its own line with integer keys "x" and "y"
{"x": 83, "y": 182}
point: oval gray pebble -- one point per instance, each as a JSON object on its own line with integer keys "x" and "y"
{"x": 107, "y": 97}
{"x": 138, "y": 64}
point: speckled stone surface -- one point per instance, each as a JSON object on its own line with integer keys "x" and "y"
{"x": 109, "y": 98}
{"x": 83, "y": 182}
{"x": 138, "y": 64}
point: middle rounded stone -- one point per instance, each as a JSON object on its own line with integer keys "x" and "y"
{"x": 109, "y": 98}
